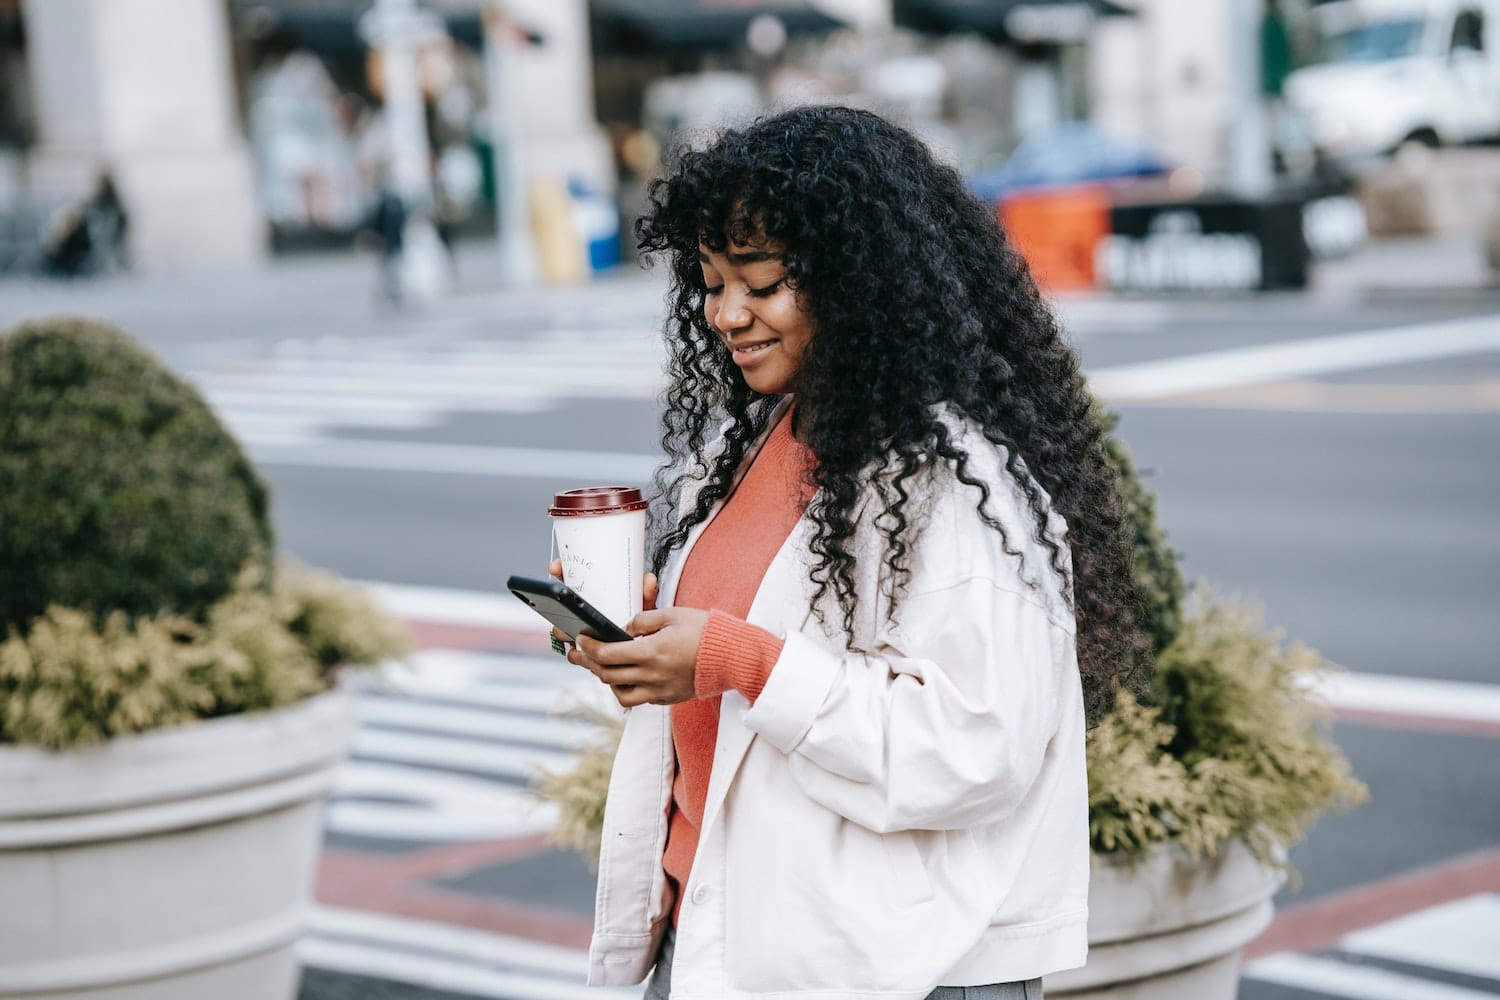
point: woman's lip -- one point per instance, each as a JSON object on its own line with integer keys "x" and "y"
{"x": 744, "y": 358}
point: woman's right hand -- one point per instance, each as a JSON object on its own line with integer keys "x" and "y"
{"x": 649, "y": 590}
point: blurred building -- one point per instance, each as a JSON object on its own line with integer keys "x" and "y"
{"x": 141, "y": 91}
{"x": 223, "y": 121}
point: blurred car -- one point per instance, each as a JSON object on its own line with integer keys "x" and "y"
{"x": 1069, "y": 154}
{"x": 1391, "y": 72}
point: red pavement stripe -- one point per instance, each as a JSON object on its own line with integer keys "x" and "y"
{"x": 449, "y": 860}
{"x": 1417, "y": 721}
{"x": 1320, "y": 923}
{"x": 445, "y": 635}
{"x": 383, "y": 884}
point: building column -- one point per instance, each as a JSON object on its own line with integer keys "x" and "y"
{"x": 144, "y": 89}
{"x": 549, "y": 90}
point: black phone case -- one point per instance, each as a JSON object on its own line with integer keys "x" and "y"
{"x": 565, "y": 609}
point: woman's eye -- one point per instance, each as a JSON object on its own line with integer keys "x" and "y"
{"x": 712, "y": 290}
{"x": 768, "y": 290}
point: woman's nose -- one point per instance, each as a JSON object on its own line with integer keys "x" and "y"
{"x": 733, "y": 313}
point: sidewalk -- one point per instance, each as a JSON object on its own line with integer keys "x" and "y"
{"x": 1441, "y": 264}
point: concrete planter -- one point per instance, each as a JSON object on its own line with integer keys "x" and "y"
{"x": 173, "y": 865}
{"x": 1171, "y": 928}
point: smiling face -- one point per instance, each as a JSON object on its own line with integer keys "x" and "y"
{"x": 757, "y": 316}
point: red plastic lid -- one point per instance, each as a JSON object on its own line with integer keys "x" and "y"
{"x": 597, "y": 500}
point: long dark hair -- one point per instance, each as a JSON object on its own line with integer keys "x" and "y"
{"x": 916, "y": 299}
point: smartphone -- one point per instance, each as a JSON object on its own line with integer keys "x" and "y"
{"x": 568, "y": 612}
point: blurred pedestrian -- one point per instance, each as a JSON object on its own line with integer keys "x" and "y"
{"x": 388, "y": 223}
{"x": 109, "y": 225}
{"x": 67, "y": 247}
{"x": 90, "y": 236}
{"x": 894, "y": 584}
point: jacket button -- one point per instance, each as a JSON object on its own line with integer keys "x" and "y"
{"x": 701, "y": 894}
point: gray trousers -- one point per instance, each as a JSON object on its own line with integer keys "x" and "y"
{"x": 659, "y": 986}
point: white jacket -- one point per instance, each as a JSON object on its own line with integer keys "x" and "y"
{"x": 876, "y": 824}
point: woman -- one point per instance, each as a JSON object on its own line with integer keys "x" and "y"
{"x": 892, "y": 565}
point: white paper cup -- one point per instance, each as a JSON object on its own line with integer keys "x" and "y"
{"x": 600, "y": 536}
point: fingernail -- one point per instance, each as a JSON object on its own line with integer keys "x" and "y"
{"x": 559, "y": 647}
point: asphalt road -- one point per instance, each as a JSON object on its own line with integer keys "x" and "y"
{"x": 1358, "y": 505}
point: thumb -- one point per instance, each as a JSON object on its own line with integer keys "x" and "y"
{"x": 649, "y": 592}
{"x": 648, "y": 622}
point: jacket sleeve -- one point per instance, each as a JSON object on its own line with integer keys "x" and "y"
{"x": 942, "y": 725}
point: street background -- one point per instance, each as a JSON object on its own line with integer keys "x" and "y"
{"x": 389, "y": 243}
{"x": 419, "y": 451}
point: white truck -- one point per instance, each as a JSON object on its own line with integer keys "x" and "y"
{"x": 1391, "y": 72}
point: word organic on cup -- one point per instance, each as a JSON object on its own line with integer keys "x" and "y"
{"x": 600, "y": 534}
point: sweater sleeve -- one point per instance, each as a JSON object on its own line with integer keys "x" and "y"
{"x": 734, "y": 654}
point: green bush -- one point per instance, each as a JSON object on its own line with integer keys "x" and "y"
{"x": 120, "y": 491}
{"x": 1232, "y": 748}
{"x": 71, "y": 680}
{"x": 1153, "y": 561}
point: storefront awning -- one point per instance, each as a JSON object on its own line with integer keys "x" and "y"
{"x": 333, "y": 25}
{"x": 653, "y": 25}
{"x": 1008, "y": 21}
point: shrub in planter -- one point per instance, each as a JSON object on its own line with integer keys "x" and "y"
{"x": 71, "y": 681}
{"x": 137, "y": 586}
{"x": 165, "y": 686}
{"x": 119, "y": 488}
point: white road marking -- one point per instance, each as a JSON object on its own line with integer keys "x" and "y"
{"x": 516, "y": 763}
{"x": 458, "y": 459}
{"x": 397, "y": 802}
{"x": 1459, "y": 936}
{"x": 448, "y": 606}
{"x": 486, "y": 948}
{"x": 1411, "y": 696}
{"x": 1356, "y": 982}
{"x": 405, "y": 714}
{"x": 448, "y": 740}
{"x": 569, "y": 687}
{"x": 1313, "y": 356}
{"x": 378, "y": 961}
{"x": 285, "y": 408}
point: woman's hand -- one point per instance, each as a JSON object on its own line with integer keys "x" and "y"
{"x": 649, "y": 590}
{"x": 656, "y": 667}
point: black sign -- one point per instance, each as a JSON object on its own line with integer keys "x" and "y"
{"x": 1206, "y": 245}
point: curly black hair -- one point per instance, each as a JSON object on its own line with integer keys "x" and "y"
{"x": 916, "y": 299}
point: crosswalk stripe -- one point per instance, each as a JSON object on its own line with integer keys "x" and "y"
{"x": 379, "y": 962}
{"x": 1459, "y": 936}
{"x": 1312, "y": 356}
{"x": 451, "y": 606}
{"x": 449, "y": 742}
{"x": 458, "y": 459}
{"x": 1411, "y": 696}
{"x": 514, "y": 763}
{"x": 481, "y": 947}
{"x": 1355, "y": 982}
{"x": 378, "y": 713}
{"x": 422, "y": 805}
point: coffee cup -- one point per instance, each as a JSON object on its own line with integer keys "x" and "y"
{"x": 600, "y": 536}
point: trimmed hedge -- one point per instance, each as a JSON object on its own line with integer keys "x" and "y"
{"x": 120, "y": 490}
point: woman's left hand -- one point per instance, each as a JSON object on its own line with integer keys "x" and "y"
{"x": 656, "y": 667}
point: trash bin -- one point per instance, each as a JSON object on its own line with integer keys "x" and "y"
{"x": 1058, "y": 230}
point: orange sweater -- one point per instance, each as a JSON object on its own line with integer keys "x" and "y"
{"x": 722, "y": 575}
